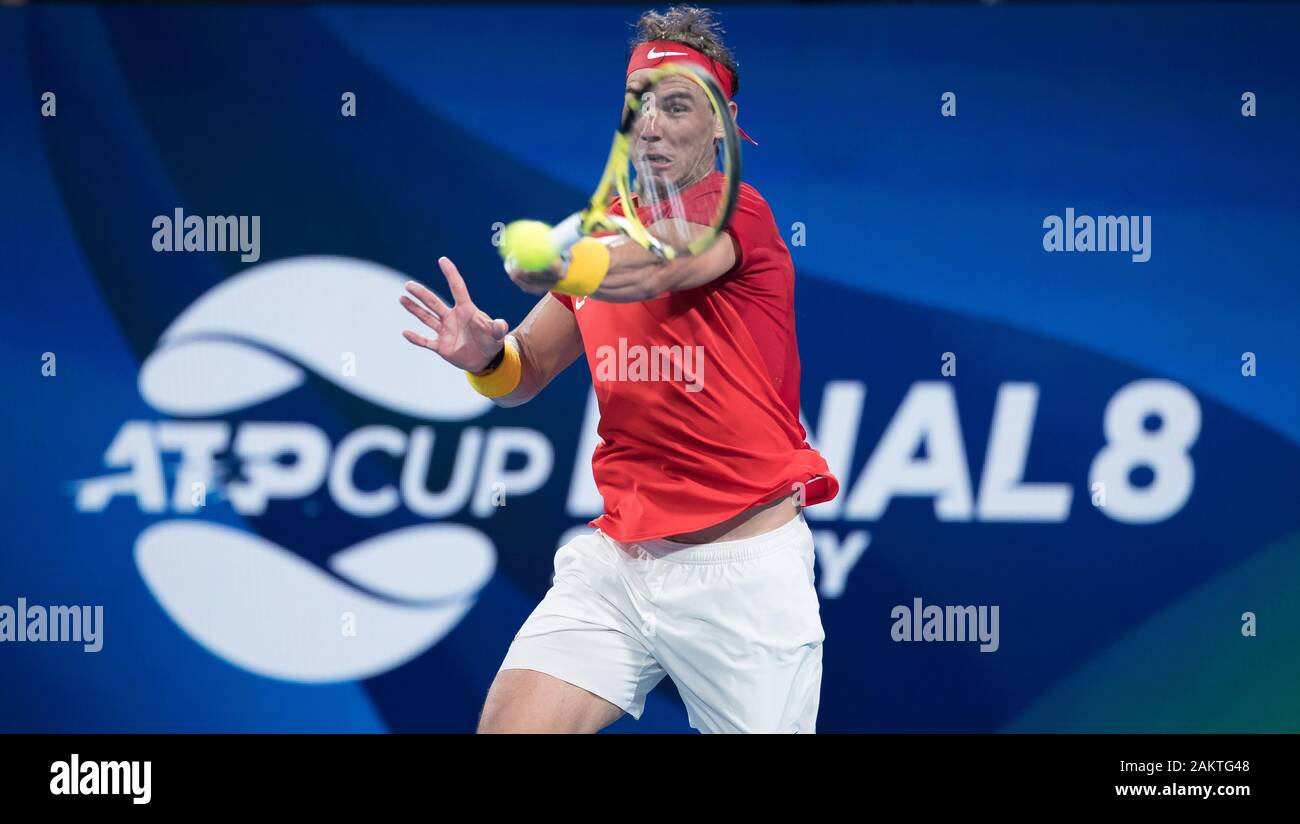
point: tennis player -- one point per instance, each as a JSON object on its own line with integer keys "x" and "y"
{"x": 701, "y": 567}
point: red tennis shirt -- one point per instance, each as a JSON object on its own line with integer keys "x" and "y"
{"x": 699, "y": 389}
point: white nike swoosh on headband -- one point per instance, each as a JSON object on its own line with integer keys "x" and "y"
{"x": 654, "y": 55}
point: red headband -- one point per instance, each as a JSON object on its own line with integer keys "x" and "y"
{"x": 657, "y": 52}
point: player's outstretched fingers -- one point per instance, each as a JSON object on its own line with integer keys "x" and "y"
{"x": 459, "y": 293}
{"x": 426, "y": 317}
{"x": 420, "y": 340}
{"x": 426, "y": 296}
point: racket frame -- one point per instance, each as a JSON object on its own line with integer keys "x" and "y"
{"x": 616, "y": 178}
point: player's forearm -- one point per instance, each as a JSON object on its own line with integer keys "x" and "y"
{"x": 636, "y": 274}
{"x": 547, "y": 342}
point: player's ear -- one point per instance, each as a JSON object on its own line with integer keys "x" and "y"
{"x": 718, "y": 133}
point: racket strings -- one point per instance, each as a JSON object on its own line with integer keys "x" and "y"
{"x": 664, "y": 199}
{"x": 653, "y": 202}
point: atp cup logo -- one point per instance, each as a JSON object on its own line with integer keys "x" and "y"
{"x": 367, "y": 608}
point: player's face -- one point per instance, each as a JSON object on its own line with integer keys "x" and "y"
{"x": 672, "y": 140}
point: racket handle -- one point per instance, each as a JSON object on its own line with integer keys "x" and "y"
{"x": 566, "y": 233}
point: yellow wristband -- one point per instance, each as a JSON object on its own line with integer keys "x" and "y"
{"x": 503, "y": 379}
{"x": 588, "y": 265}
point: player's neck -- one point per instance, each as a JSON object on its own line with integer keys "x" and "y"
{"x": 678, "y": 187}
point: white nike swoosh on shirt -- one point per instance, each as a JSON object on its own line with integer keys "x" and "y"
{"x": 577, "y": 304}
{"x": 655, "y": 55}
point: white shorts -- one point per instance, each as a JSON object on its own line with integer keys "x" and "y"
{"x": 735, "y": 623}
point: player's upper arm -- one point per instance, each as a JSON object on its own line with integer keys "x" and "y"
{"x": 549, "y": 342}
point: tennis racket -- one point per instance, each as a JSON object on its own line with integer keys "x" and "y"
{"x": 667, "y": 162}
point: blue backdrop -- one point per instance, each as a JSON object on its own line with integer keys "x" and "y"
{"x": 364, "y": 583}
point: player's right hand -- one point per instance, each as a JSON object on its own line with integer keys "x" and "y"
{"x": 465, "y": 336}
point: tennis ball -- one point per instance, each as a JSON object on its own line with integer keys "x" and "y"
{"x": 528, "y": 243}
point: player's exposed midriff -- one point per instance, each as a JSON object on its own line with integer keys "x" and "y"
{"x": 753, "y": 521}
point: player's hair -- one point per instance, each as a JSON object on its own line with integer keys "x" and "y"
{"x": 691, "y": 26}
